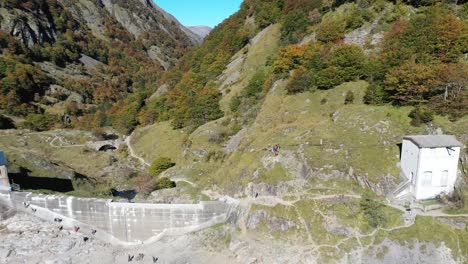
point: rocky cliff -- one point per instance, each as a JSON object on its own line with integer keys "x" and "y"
{"x": 37, "y": 24}
{"x": 131, "y": 42}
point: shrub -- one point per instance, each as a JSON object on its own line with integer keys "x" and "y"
{"x": 375, "y": 95}
{"x": 255, "y": 86}
{"x": 294, "y": 26}
{"x": 421, "y": 115}
{"x": 164, "y": 183}
{"x": 144, "y": 184}
{"x": 350, "y": 59}
{"x": 331, "y": 31}
{"x": 159, "y": 165}
{"x": 349, "y": 98}
{"x": 40, "y": 122}
{"x": 457, "y": 198}
{"x": 329, "y": 77}
{"x": 373, "y": 211}
{"x": 218, "y": 136}
{"x": 302, "y": 81}
{"x": 235, "y": 104}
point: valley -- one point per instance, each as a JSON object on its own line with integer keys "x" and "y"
{"x": 293, "y": 111}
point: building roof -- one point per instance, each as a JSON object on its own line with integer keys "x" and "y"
{"x": 434, "y": 141}
{"x": 3, "y": 160}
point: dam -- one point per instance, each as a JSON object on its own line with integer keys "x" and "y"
{"x": 121, "y": 223}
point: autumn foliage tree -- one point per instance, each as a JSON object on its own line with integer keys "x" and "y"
{"x": 412, "y": 83}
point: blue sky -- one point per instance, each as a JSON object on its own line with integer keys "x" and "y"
{"x": 200, "y": 12}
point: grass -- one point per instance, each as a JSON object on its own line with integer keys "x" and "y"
{"x": 361, "y": 137}
{"x": 275, "y": 175}
{"x": 79, "y": 159}
{"x": 358, "y": 138}
{"x": 193, "y": 192}
{"x": 428, "y": 229}
{"x": 159, "y": 140}
{"x": 279, "y": 212}
{"x": 257, "y": 55}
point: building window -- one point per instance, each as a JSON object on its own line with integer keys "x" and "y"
{"x": 444, "y": 178}
{"x": 427, "y": 179}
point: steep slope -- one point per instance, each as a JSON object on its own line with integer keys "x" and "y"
{"x": 335, "y": 86}
{"x": 99, "y": 51}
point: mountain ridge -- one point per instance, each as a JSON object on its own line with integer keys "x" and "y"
{"x": 201, "y": 31}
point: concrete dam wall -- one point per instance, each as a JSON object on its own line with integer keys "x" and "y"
{"x": 122, "y": 223}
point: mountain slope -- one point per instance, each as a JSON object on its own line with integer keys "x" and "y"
{"x": 134, "y": 42}
{"x": 337, "y": 87}
{"x": 201, "y": 31}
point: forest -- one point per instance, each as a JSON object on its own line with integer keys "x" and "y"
{"x": 420, "y": 61}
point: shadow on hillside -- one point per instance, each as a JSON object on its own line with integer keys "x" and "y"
{"x": 28, "y": 182}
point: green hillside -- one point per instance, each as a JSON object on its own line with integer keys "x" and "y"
{"x": 335, "y": 84}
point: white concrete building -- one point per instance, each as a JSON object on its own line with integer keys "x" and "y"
{"x": 430, "y": 164}
{"x": 4, "y": 182}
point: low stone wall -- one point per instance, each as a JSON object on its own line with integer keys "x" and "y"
{"x": 122, "y": 223}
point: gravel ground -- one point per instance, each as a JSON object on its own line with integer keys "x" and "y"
{"x": 26, "y": 239}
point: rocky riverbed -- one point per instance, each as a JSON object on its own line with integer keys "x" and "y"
{"x": 27, "y": 239}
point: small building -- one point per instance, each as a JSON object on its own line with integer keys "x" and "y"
{"x": 4, "y": 182}
{"x": 430, "y": 164}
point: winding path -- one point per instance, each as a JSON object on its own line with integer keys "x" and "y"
{"x": 132, "y": 151}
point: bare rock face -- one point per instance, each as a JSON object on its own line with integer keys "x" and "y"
{"x": 142, "y": 19}
{"x": 272, "y": 223}
{"x": 30, "y": 27}
{"x": 265, "y": 189}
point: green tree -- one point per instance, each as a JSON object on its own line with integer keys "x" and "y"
{"x": 349, "y": 98}
{"x": 350, "y": 59}
{"x": 331, "y": 30}
{"x": 372, "y": 211}
{"x": 294, "y": 26}
{"x": 329, "y": 77}
{"x": 375, "y": 94}
{"x": 255, "y": 86}
{"x": 164, "y": 183}
{"x": 301, "y": 82}
{"x": 421, "y": 115}
{"x": 40, "y": 122}
{"x": 159, "y": 165}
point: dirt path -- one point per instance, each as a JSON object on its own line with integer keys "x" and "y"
{"x": 433, "y": 213}
{"x": 131, "y": 151}
{"x": 62, "y": 145}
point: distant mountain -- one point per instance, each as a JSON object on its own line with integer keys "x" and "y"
{"x": 201, "y": 31}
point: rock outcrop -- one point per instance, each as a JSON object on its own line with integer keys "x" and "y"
{"x": 31, "y": 28}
